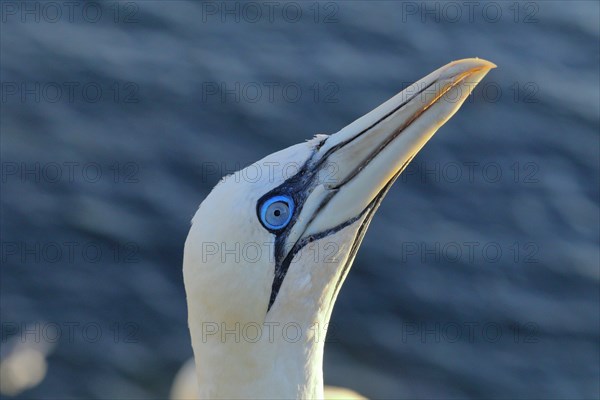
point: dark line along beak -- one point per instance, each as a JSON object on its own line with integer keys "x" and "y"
{"x": 365, "y": 156}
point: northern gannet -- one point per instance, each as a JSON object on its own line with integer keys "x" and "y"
{"x": 265, "y": 258}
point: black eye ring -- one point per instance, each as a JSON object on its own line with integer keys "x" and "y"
{"x": 276, "y": 212}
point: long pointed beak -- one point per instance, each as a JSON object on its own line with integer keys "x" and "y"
{"x": 359, "y": 163}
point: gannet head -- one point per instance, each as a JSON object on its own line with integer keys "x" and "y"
{"x": 276, "y": 247}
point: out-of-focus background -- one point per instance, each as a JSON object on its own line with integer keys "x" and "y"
{"x": 479, "y": 277}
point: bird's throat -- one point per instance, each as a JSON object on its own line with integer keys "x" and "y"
{"x": 282, "y": 360}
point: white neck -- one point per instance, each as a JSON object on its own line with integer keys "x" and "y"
{"x": 250, "y": 360}
{"x": 243, "y": 351}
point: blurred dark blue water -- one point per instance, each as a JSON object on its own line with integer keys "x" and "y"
{"x": 478, "y": 277}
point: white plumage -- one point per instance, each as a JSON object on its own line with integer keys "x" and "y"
{"x": 259, "y": 299}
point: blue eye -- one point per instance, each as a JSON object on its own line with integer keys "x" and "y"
{"x": 276, "y": 212}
